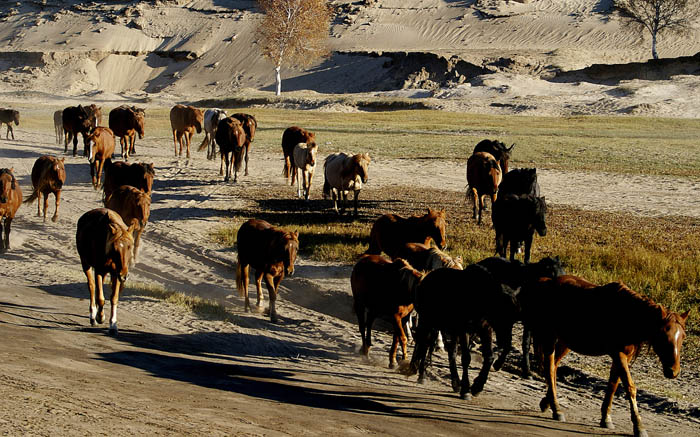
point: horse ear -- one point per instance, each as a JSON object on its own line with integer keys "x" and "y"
{"x": 511, "y": 148}
{"x": 132, "y": 227}
{"x": 685, "y": 315}
{"x": 63, "y": 159}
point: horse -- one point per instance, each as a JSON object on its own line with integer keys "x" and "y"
{"x": 381, "y": 287}
{"x": 462, "y": 303}
{"x": 127, "y": 121}
{"x": 184, "y": 120}
{"x": 344, "y": 173}
{"x": 231, "y": 139}
{"x": 499, "y": 151}
{"x": 304, "y": 162}
{"x": 290, "y": 138}
{"x": 391, "y": 232}
{"x": 105, "y": 246}
{"x": 250, "y": 125}
{"x": 77, "y": 120}
{"x": 515, "y": 219}
{"x": 483, "y": 178}
{"x": 519, "y": 181}
{"x": 271, "y": 252}
{"x": 95, "y": 113}
{"x": 10, "y": 201}
{"x": 58, "y": 125}
{"x": 517, "y": 275}
{"x": 139, "y": 175}
{"x": 570, "y": 313}
{"x": 212, "y": 117}
{"x": 48, "y": 176}
{"x": 101, "y": 143}
{"x": 9, "y": 116}
{"x": 134, "y": 207}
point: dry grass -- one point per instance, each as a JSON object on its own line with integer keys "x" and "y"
{"x": 203, "y": 308}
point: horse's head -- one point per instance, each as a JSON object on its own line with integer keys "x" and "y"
{"x": 549, "y": 267}
{"x": 7, "y": 184}
{"x": 540, "y": 216}
{"x": 290, "y": 247}
{"x": 147, "y": 173}
{"x": 140, "y": 122}
{"x": 198, "y": 121}
{"x": 439, "y": 224}
{"x": 311, "y": 154}
{"x": 120, "y": 250}
{"x": 15, "y": 117}
{"x": 362, "y": 161}
{"x": 58, "y": 174}
{"x": 668, "y": 340}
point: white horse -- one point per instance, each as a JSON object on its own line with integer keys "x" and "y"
{"x": 211, "y": 121}
{"x": 304, "y": 161}
{"x": 344, "y": 173}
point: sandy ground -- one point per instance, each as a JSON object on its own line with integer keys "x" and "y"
{"x": 173, "y": 372}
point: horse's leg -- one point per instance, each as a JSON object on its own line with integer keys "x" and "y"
{"x": 527, "y": 341}
{"x": 626, "y": 377}
{"x": 247, "y": 148}
{"x": 75, "y": 144}
{"x": 100, "y": 299}
{"x": 613, "y": 382}
{"x": 137, "y": 242}
{"x": 258, "y": 287}
{"x": 513, "y": 248}
{"x": 485, "y": 335}
{"x": 8, "y": 226}
{"x": 188, "y": 137}
{"x": 90, "y": 275}
{"x": 335, "y": 194}
{"x": 175, "y": 140}
{"x": 552, "y": 353}
{"x": 132, "y": 145}
{"x": 451, "y": 347}
{"x": 38, "y": 205}
{"x": 100, "y": 165}
{"x": 299, "y": 181}
{"x": 475, "y": 199}
{"x": 221, "y": 167}
{"x": 272, "y": 284}
{"x": 427, "y": 352}
{"x": 57, "y": 195}
{"x": 528, "y": 245}
{"x": 504, "y": 339}
{"x": 10, "y": 130}
{"x": 116, "y": 287}
{"x": 360, "y": 312}
{"x": 66, "y": 141}
{"x": 245, "y": 276}
{"x": 439, "y": 342}
{"x": 357, "y": 195}
{"x": 402, "y": 334}
{"x": 466, "y": 360}
{"x": 481, "y": 208}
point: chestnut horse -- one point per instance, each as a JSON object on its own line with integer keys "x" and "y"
{"x": 48, "y": 177}
{"x": 105, "y": 246}
{"x": 304, "y": 163}
{"x": 101, "y": 143}
{"x": 250, "y": 125}
{"x": 461, "y": 303}
{"x": 271, "y": 252}
{"x": 381, "y": 287}
{"x": 290, "y": 138}
{"x": 127, "y": 121}
{"x": 9, "y": 116}
{"x": 138, "y": 174}
{"x": 344, "y": 173}
{"x": 134, "y": 207}
{"x": 391, "y": 232}
{"x": 483, "y": 178}
{"x": 10, "y": 201}
{"x": 570, "y": 313}
{"x": 184, "y": 120}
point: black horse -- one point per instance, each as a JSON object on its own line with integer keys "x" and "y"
{"x": 498, "y": 150}
{"x": 515, "y": 220}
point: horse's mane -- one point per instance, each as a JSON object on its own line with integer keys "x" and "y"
{"x": 443, "y": 259}
{"x": 407, "y": 274}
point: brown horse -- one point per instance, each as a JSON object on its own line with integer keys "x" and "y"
{"x": 271, "y": 252}
{"x": 304, "y": 163}
{"x": 231, "y": 139}
{"x": 105, "y": 246}
{"x": 344, "y": 173}
{"x": 250, "y": 125}
{"x": 76, "y": 120}
{"x": 483, "y": 178}
{"x": 381, "y": 287}
{"x": 184, "y": 120}
{"x": 391, "y": 232}
{"x": 9, "y": 116}
{"x": 134, "y": 207}
{"x": 570, "y": 313}
{"x": 101, "y": 143}
{"x": 499, "y": 151}
{"x": 139, "y": 175}
{"x": 48, "y": 177}
{"x": 290, "y": 138}
{"x": 10, "y": 201}
{"x": 127, "y": 121}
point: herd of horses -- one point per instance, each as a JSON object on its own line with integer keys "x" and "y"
{"x": 456, "y": 302}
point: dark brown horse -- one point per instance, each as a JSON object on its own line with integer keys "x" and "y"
{"x": 391, "y": 232}
{"x": 9, "y": 116}
{"x": 231, "y": 139}
{"x": 105, "y": 246}
{"x": 381, "y": 287}
{"x": 10, "y": 201}
{"x": 290, "y": 138}
{"x": 498, "y": 150}
{"x": 101, "y": 147}
{"x": 570, "y": 313}
{"x": 271, "y": 252}
{"x": 483, "y": 178}
{"x": 127, "y": 121}
{"x": 134, "y": 207}
{"x": 184, "y": 120}
{"x": 250, "y": 125}
{"x": 138, "y": 174}
{"x": 77, "y": 120}
{"x": 48, "y": 177}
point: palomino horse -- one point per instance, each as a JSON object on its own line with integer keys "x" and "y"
{"x": 304, "y": 162}
{"x": 10, "y": 201}
{"x": 101, "y": 144}
{"x": 461, "y": 303}
{"x": 184, "y": 120}
{"x": 9, "y": 116}
{"x": 344, "y": 173}
{"x": 48, "y": 177}
{"x": 570, "y": 313}
{"x": 290, "y": 138}
{"x": 483, "y": 178}
{"x": 212, "y": 117}
{"x": 231, "y": 139}
{"x": 516, "y": 275}
{"x": 391, "y": 232}
{"x": 515, "y": 220}
{"x": 105, "y": 246}
{"x": 271, "y": 252}
{"x": 381, "y": 287}
{"x": 134, "y": 207}
{"x": 498, "y": 150}
{"x": 250, "y": 125}
{"x": 138, "y": 174}
{"x": 127, "y": 121}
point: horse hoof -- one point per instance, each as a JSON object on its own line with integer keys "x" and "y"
{"x": 392, "y": 365}
{"x": 544, "y": 404}
{"x": 421, "y": 380}
{"x": 456, "y": 386}
{"x": 640, "y": 433}
{"x": 113, "y": 331}
{"x": 607, "y": 423}
{"x": 476, "y": 390}
{"x": 92, "y": 322}
{"x": 53, "y": 219}
{"x": 559, "y": 417}
{"x": 466, "y": 396}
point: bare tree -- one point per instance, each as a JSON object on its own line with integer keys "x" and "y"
{"x": 294, "y": 33}
{"x": 659, "y": 16}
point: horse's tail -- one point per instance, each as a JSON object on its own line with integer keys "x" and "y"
{"x": 287, "y": 167}
{"x": 205, "y": 142}
{"x": 240, "y": 283}
{"x": 326, "y": 189}
{"x": 32, "y": 197}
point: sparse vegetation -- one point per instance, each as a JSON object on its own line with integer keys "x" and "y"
{"x": 204, "y": 308}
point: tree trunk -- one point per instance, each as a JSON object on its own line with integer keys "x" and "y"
{"x": 653, "y": 46}
{"x": 278, "y": 78}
